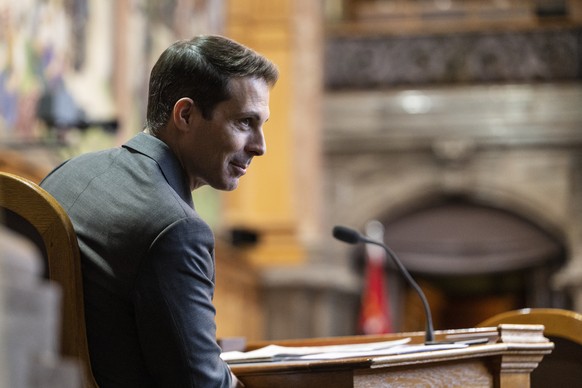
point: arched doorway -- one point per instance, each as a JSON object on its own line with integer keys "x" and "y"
{"x": 472, "y": 260}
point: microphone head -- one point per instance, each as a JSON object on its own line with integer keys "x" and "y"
{"x": 346, "y": 235}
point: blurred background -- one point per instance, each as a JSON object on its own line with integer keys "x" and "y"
{"x": 455, "y": 124}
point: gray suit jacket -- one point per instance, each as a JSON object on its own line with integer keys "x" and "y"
{"x": 148, "y": 267}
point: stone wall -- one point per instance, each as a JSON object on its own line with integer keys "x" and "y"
{"x": 515, "y": 147}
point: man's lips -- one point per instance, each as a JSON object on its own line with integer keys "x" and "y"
{"x": 241, "y": 168}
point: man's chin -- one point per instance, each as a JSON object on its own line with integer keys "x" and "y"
{"x": 228, "y": 186}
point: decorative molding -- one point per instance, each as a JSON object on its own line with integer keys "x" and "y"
{"x": 553, "y": 54}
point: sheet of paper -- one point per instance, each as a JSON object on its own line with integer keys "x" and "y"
{"x": 276, "y": 352}
{"x": 400, "y": 349}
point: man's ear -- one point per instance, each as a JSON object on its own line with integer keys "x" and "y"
{"x": 182, "y": 112}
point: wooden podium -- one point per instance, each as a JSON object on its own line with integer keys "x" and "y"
{"x": 506, "y": 358}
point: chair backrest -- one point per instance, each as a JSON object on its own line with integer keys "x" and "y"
{"x": 563, "y": 367}
{"x": 43, "y": 214}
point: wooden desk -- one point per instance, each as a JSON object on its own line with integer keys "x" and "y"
{"x": 512, "y": 353}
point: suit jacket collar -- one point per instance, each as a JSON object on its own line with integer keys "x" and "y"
{"x": 159, "y": 151}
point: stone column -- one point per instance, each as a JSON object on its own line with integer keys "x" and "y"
{"x": 280, "y": 197}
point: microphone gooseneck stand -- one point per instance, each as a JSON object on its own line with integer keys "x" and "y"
{"x": 351, "y": 236}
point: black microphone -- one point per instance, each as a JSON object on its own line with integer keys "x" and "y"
{"x": 352, "y": 236}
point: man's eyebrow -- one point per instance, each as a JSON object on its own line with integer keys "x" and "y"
{"x": 253, "y": 114}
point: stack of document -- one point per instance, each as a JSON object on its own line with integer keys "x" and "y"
{"x": 273, "y": 353}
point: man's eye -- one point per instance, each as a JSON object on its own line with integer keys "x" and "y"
{"x": 246, "y": 122}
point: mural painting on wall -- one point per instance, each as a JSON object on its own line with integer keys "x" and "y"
{"x": 52, "y": 52}
{"x": 42, "y": 67}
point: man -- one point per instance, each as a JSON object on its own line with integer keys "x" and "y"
{"x": 147, "y": 257}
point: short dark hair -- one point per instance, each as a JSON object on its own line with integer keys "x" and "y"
{"x": 200, "y": 69}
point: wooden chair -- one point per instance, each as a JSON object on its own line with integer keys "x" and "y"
{"x": 563, "y": 367}
{"x": 30, "y": 205}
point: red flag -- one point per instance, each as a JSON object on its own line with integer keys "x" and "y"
{"x": 375, "y": 311}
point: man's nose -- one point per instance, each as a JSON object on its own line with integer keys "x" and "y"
{"x": 257, "y": 144}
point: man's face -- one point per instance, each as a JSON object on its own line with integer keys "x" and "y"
{"x": 218, "y": 151}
